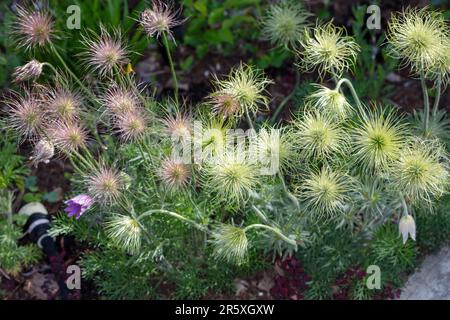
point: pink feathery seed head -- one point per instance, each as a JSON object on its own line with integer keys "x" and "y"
{"x": 224, "y": 104}
{"x": 33, "y": 28}
{"x": 67, "y": 136}
{"x": 132, "y": 125}
{"x": 30, "y": 71}
{"x": 119, "y": 101}
{"x": 78, "y": 205}
{"x": 63, "y": 104}
{"x": 26, "y": 114}
{"x": 161, "y": 17}
{"x": 43, "y": 152}
{"x": 174, "y": 174}
{"x": 105, "y": 52}
{"x": 105, "y": 185}
{"x": 177, "y": 126}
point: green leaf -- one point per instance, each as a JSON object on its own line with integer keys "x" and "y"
{"x": 31, "y": 183}
{"x": 236, "y": 4}
{"x": 216, "y": 16}
{"x": 187, "y": 63}
{"x": 32, "y": 197}
{"x": 201, "y": 7}
{"x": 51, "y": 197}
{"x": 202, "y": 50}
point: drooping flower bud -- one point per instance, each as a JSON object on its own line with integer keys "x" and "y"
{"x": 29, "y": 71}
{"x": 407, "y": 227}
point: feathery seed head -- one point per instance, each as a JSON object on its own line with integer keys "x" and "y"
{"x": 34, "y": 29}
{"x": 231, "y": 176}
{"x": 247, "y": 85}
{"x": 230, "y": 244}
{"x": 160, "y": 19}
{"x": 441, "y": 70}
{"x": 177, "y": 126}
{"x": 105, "y": 52}
{"x": 319, "y": 136}
{"x": 275, "y": 147}
{"x": 420, "y": 38}
{"x": 26, "y": 114}
{"x": 105, "y": 185}
{"x": 67, "y": 136}
{"x": 224, "y": 104}
{"x": 119, "y": 101}
{"x": 63, "y": 104}
{"x": 378, "y": 139}
{"x": 212, "y": 139}
{"x": 422, "y": 171}
{"x": 325, "y": 192}
{"x": 284, "y": 23}
{"x": 125, "y": 232}
{"x": 328, "y": 50}
{"x": 131, "y": 126}
{"x": 174, "y": 174}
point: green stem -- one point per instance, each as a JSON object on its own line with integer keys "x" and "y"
{"x": 136, "y": 89}
{"x": 260, "y": 214}
{"x": 426, "y": 102}
{"x": 272, "y": 229}
{"x": 438, "y": 96}
{"x": 172, "y": 68}
{"x": 73, "y": 75}
{"x": 174, "y": 215}
{"x": 287, "y": 99}
{"x": 404, "y": 205}
{"x": 87, "y": 164}
{"x": 55, "y": 71}
{"x": 249, "y": 120}
{"x": 352, "y": 90}
{"x": 286, "y": 190}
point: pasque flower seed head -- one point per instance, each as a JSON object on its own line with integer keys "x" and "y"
{"x": 327, "y": 49}
{"x": 284, "y": 23}
{"x": 33, "y": 29}
{"x": 159, "y": 19}
{"x": 420, "y": 37}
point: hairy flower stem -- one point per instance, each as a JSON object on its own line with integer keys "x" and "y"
{"x": 55, "y": 71}
{"x": 352, "y": 90}
{"x": 88, "y": 162}
{"x": 288, "y": 193}
{"x": 136, "y": 90}
{"x": 404, "y": 205}
{"x": 174, "y": 215}
{"x": 438, "y": 96}
{"x": 426, "y": 102}
{"x": 260, "y": 214}
{"x": 249, "y": 120}
{"x": 73, "y": 75}
{"x": 287, "y": 99}
{"x": 272, "y": 229}
{"x": 150, "y": 165}
{"x": 172, "y": 68}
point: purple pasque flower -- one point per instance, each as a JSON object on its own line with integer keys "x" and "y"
{"x": 78, "y": 205}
